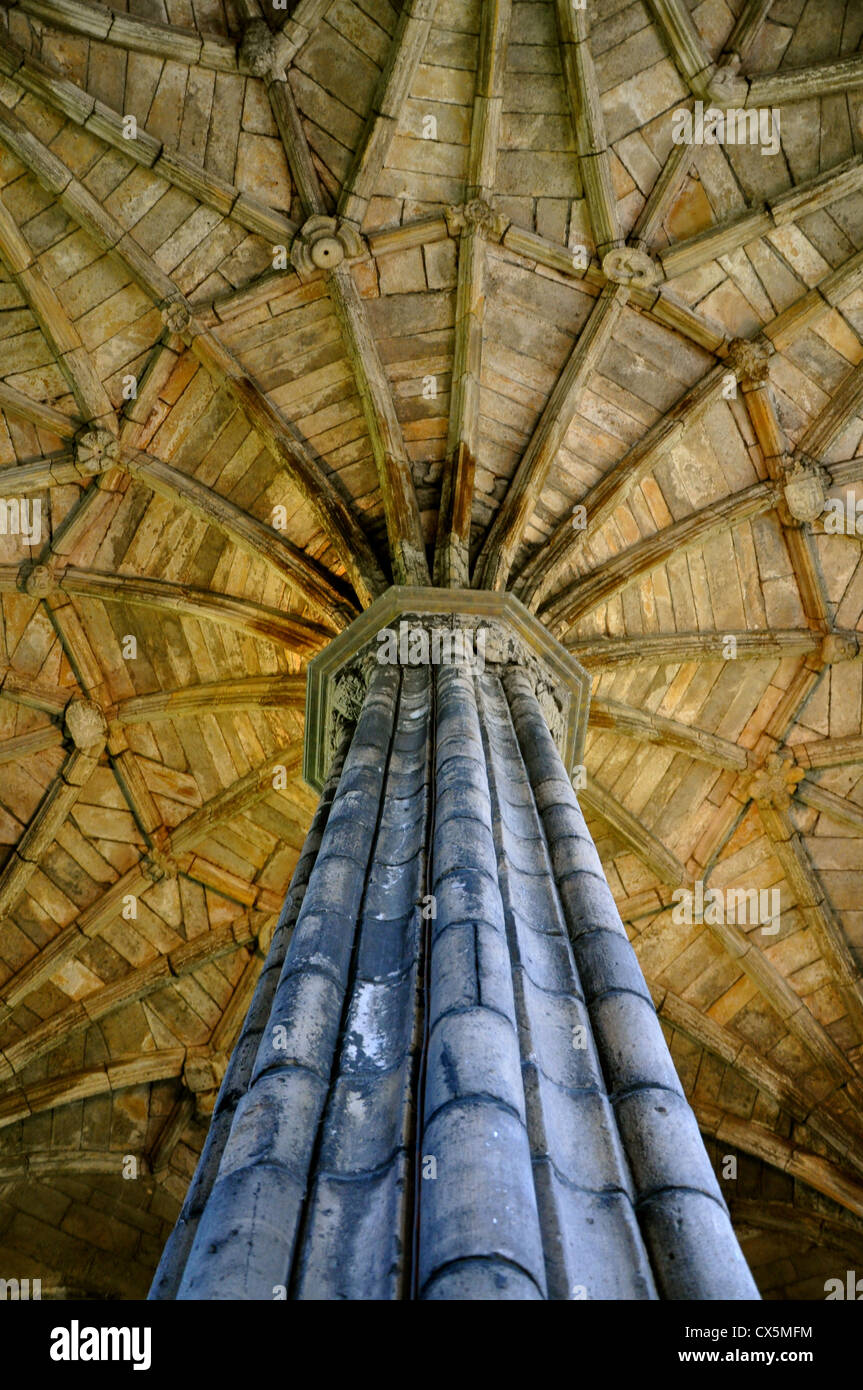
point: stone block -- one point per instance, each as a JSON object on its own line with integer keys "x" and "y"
{"x": 388, "y": 948}
{"x": 463, "y": 845}
{"x": 577, "y": 1132}
{"x": 560, "y": 1036}
{"x": 276, "y": 1123}
{"x": 379, "y": 1026}
{"x": 336, "y": 886}
{"x": 663, "y": 1145}
{"x": 693, "y": 1249}
{"x": 474, "y": 1053}
{"x": 354, "y": 1248}
{"x": 402, "y": 272}
{"x": 546, "y": 958}
{"x": 482, "y": 1203}
{"x": 463, "y": 801}
{"x": 482, "y": 1281}
{"x": 240, "y": 1251}
{"x": 572, "y": 854}
{"x": 303, "y": 1026}
{"x": 606, "y": 961}
{"x": 588, "y": 902}
{"x": 208, "y": 1164}
{"x": 440, "y": 264}
{"x": 631, "y": 1044}
{"x": 457, "y": 768}
{"x": 598, "y": 1251}
{"x": 368, "y": 1119}
{"x": 468, "y": 895}
{"x": 392, "y": 888}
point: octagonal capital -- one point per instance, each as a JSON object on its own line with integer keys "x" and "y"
{"x": 418, "y": 626}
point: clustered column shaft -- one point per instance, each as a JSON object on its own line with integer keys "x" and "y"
{"x": 452, "y": 1084}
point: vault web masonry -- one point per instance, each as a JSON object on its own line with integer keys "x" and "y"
{"x": 353, "y": 319}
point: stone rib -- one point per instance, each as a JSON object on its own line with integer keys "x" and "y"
{"x": 588, "y": 122}
{"x": 61, "y": 95}
{"x": 130, "y": 31}
{"x": 646, "y": 555}
{"x": 693, "y": 646}
{"x": 837, "y": 75}
{"x": 391, "y": 93}
{"x": 93, "y": 920}
{"x": 284, "y": 443}
{"x": 398, "y": 492}
{"x": 646, "y": 726}
{"x": 246, "y": 692}
{"x": 748, "y": 27}
{"x": 565, "y": 544}
{"x": 452, "y": 549}
{"x": 300, "y": 634}
{"x": 255, "y": 538}
{"x": 525, "y": 489}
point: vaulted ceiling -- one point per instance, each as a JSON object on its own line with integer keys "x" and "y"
{"x": 294, "y": 305}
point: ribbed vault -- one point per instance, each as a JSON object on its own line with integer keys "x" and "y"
{"x": 297, "y": 305}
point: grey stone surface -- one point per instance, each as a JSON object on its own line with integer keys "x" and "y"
{"x": 687, "y": 1235}
{"x": 452, "y": 1082}
{"x": 487, "y": 1281}
{"x": 597, "y": 1250}
{"x": 368, "y": 1120}
{"x": 474, "y": 1053}
{"x": 630, "y": 1040}
{"x": 607, "y": 962}
{"x": 482, "y": 1203}
{"x": 664, "y": 1147}
{"x": 355, "y": 1239}
{"x": 240, "y": 1251}
{"x": 275, "y": 1123}
{"x": 239, "y": 1070}
{"x": 577, "y": 1132}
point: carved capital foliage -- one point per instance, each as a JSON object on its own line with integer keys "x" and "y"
{"x": 425, "y": 626}
{"x": 464, "y": 640}
{"x": 349, "y": 692}
{"x": 477, "y": 215}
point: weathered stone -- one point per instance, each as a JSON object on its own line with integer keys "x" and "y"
{"x": 446, "y": 398}
{"x": 684, "y": 1232}
{"x": 86, "y": 724}
{"x": 550, "y": 1105}
{"x": 322, "y": 243}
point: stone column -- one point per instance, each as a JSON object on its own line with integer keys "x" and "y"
{"x": 452, "y": 1084}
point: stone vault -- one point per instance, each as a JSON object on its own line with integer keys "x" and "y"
{"x": 298, "y": 306}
